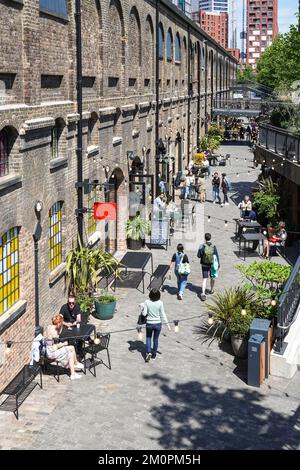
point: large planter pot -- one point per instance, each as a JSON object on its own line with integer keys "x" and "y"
{"x": 85, "y": 314}
{"x": 104, "y": 311}
{"x": 239, "y": 346}
{"x": 135, "y": 244}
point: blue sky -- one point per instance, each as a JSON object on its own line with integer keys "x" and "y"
{"x": 286, "y": 14}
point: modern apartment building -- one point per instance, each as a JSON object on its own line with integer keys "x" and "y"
{"x": 214, "y": 5}
{"x": 215, "y": 24}
{"x": 262, "y": 27}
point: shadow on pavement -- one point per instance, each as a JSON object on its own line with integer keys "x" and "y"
{"x": 196, "y": 415}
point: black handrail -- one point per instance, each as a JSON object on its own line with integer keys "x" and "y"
{"x": 288, "y": 306}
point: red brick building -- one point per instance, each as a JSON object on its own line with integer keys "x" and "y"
{"x": 213, "y": 23}
{"x": 262, "y": 27}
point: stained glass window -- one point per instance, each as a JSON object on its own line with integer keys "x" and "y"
{"x": 92, "y": 197}
{"x": 9, "y": 269}
{"x": 55, "y": 234}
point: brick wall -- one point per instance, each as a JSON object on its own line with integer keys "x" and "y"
{"x": 118, "y": 40}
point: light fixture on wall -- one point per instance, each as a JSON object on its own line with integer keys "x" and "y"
{"x": 38, "y": 207}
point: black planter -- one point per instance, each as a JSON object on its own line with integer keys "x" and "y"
{"x": 135, "y": 244}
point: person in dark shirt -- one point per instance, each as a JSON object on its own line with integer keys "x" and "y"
{"x": 208, "y": 254}
{"x": 71, "y": 312}
{"x": 177, "y": 259}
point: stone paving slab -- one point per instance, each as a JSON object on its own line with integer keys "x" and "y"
{"x": 194, "y": 396}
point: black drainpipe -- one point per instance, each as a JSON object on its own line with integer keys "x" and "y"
{"x": 79, "y": 184}
{"x": 157, "y": 96}
{"x": 189, "y": 98}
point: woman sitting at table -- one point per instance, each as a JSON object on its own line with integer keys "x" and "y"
{"x": 61, "y": 351}
{"x": 275, "y": 238}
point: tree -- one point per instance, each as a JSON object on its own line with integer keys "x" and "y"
{"x": 247, "y": 74}
{"x": 279, "y": 66}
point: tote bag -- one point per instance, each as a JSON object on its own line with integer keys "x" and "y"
{"x": 184, "y": 268}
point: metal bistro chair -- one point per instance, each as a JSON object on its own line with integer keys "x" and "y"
{"x": 93, "y": 349}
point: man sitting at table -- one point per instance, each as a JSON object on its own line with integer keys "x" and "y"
{"x": 71, "y": 312}
{"x": 246, "y": 207}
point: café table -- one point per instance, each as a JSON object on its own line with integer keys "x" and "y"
{"x": 245, "y": 226}
{"x": 136, "y": 260}
{"x": 250, "y": 237}
{"x": 76, "y": 334}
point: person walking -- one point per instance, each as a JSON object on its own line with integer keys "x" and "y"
{"x": 155, "y": 313}
{"x": 225, "y": 188}
{"x": 216, "y": 188}
{"x": 209, "y": 258}
{"x": 178, "y": 259}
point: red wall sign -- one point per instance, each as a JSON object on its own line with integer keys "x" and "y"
{"x": 105, "y": 211}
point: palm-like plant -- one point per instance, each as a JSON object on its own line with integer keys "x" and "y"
{"x": 85, "y": 265}
{"x": 137, "y": 228}
{"x": 226, "y": 312}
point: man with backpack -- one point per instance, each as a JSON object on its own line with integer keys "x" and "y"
{"x": 209, "y": 257}
{"x": 225, "y": 185}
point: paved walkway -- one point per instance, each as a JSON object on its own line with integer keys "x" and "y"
{"x": 194, "y": 396}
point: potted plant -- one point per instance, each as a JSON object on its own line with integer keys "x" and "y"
{"x": 86, "y": 303}
{"x": 105, "y": 306}
{"x": 85, "y": 268}
{"x": 231, "y": 312}
{"x": 136, "y": 230}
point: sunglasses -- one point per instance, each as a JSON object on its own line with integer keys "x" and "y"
{"x": 71, "y": 303}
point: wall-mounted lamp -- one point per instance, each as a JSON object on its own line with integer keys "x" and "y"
{"x": 38, "y": 207}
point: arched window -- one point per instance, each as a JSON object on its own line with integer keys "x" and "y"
{"x": 9, "y": 269}
{"x": 55, "y": 7}
{"x": 56, "y": 134}
{"x": 4, "y": 151}
{"x": 169, "y": 46}
{"x": 160, "y": 42}
{"x": 177, "y": 49}
{"x": 55, "y": 235}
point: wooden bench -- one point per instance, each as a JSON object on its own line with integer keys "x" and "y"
{"x": 158, "y": 277}
{"x": 20, "y": 388}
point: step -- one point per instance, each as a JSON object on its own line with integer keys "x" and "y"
{"x": 285, "y": 365}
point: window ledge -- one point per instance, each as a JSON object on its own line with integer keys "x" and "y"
{"x": 57, "y": 273}
{"x": 94, "y": 238}
{"x": 117, "y": 140}
{"x": 12, "y": 315}
{"x": 58, "y": 162}
{"x": 9, "y": 180}
{"x": 92, "y": 151}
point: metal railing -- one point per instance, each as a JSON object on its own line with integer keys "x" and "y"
{"x": 280, "y": 141}
{"x": 238, "y": 104}
{"x": 287, "y": 306}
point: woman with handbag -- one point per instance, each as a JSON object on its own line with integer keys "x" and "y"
{"x": 182, "y": 269}
{"x": 155, "y": 314}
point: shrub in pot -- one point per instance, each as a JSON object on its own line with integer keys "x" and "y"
{"x": 231, "y": 312}
{"x": 136, "y": 230}
{"x": 86, "y": 303}
{"x": 105, "y": 306}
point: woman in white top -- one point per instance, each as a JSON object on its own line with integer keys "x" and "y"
{"x": 154, "y": 310}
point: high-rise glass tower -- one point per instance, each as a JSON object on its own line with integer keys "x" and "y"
{"x": 214, "y": 5}
{"x": 184, "y": 5}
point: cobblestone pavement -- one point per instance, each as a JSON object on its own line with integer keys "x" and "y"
{"x": 194, "y": 396}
